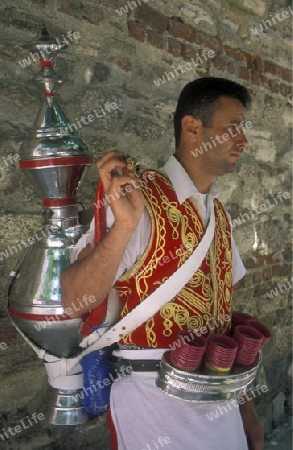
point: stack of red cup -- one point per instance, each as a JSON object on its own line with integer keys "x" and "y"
{"x": 188, "y": 356}
{"x": 246, "y": 339}
{"x": 221, "y": 353}
{"x": 262, "y": 329}
{"x": 250, "y": 342}
{"x": 239, "y": 318}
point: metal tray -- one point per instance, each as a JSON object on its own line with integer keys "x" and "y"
{"x": 203, "y": 387}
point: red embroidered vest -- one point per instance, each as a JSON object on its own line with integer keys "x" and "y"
{"x": 204, "y": 304}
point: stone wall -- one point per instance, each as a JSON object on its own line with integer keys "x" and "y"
{"x": 123, "y": 50}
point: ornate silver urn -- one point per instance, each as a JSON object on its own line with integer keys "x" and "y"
{"x": 55, "y": 160}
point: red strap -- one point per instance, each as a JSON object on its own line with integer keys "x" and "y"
{"x": 100, "y": 213}
{"x": 113, "y": 434}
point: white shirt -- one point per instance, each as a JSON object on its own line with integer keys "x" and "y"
{"x": 184, "y": 188}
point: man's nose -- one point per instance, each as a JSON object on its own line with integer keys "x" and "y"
{"x": 241, "y": 141}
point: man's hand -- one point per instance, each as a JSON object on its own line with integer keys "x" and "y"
{"x": 94, "y": 271}
{"x": 252, "y": 426}
{"x": 121, "y": 190}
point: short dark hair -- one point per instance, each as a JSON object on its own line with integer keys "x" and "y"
{"x": 200, "y": 98}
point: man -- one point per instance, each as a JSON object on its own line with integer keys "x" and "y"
{"x": 145, "y": 224}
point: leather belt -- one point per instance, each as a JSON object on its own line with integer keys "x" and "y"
{"x": 136, "y": 365}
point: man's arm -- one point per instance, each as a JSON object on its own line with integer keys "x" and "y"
{"x": 252, "y": 425}
{"x": 94, "y": 271}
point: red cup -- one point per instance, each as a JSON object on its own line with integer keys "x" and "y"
{"x": 221, "y": 353}
{"x": 262, "y": 329}
{"x": 250, "y": 342}
{"x": 239, "y": 318}
{"x": 188, "y": 356}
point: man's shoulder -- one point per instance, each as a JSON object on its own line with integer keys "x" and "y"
{"x": 154, "y": 177}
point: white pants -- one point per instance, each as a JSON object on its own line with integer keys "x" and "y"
{"x": 147, "y": 419}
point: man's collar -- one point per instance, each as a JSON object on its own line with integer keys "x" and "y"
{"x": 181, "y": 182}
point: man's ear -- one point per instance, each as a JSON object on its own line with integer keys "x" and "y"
{"x": 191, "y": 128}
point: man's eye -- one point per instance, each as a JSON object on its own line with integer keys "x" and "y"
{"x": 235, "y": 127}
{"x": 231, "y": 127}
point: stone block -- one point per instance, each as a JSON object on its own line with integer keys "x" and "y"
{"x": 255, "y": 79}
{"x": 136, "y": 31}
{"x": 273, "y": 69}
{"x": 278, "y": 408}
{"x": 143, "y": 128}
{"x": 230, "y": 68}
{"x": 198, "y": 14}
{"x": 83, "y": 11}
{"x": 14, "y": 396}
{"x": 284, "y": 89}
{"x": 188, "y": 52}
{"x": 122, "y": 46}
{"x": 181, "y": 30}
{"x": 265, "y": 414}
{"x": 234, "y": 53}
{"x": 244, "y": 73}
{"x": 208, "y": 41}
{"x": 262, "y": 147}
{"x": 288, "y": 75}
{"x": 267, "y": 274}
{"x": 9, "y": 335}
{"x": 219, "y": 63}
{"x": 39, "y": 2}
{"x": 274, "y": 86}
{"x": 257, "y": 64}
{"x": 257, "y": 277}
{"x": 101, "y": 72}
{"x": 122, "y": 63}
{"x": 156, "y": 39}
{"x": 152, "y": 18}
{"x": 283, "y": 270}
{"x": 289, "y": 403}
{"x": 174, "y": 47}
{"x": 14, "y": 17}
{"x": 282, "y": 332}
{"x": 113, "y": 3}
{"x": 258, "y": 8}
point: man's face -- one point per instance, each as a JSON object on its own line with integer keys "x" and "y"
{"x": 225, "y": 136}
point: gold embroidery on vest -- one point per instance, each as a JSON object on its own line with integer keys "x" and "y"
{"x": 150, "y": 334}
{"x": 190, "y": 308}
{"x": 174, "y": 311}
